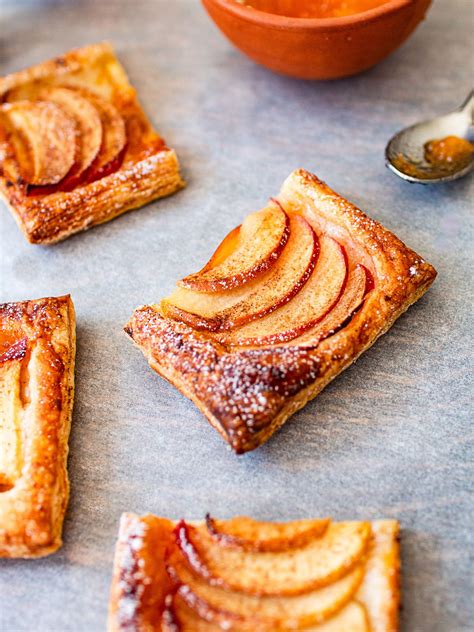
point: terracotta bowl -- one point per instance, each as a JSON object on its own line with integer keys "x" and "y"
{"x": 316, "y": 48}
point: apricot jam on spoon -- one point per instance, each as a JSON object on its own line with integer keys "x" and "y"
{"x": 438, "y": 150}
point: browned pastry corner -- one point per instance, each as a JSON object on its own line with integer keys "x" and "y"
{"x": 250, "y": 576}
{"x": 37, "y": 351}
{"x": 76, "y": 149}
{"x": 289, "y": 300}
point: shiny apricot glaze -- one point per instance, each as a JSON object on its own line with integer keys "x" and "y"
{"x": 451, "y": 151}
{"x": 313, "y": 8}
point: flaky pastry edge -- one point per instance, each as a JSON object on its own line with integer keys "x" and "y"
{"x": 228, "y": 387}
{"x": 51, "y": 218}
{"x": 140, "y": 582}
{"x": 32, "y": 512}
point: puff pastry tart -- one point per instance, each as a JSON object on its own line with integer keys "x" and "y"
{"x": 289, "y": 299}
{"x": 37, "y": 350}
{"x": 244, "y": 575}
{"x": 75, "y": 146}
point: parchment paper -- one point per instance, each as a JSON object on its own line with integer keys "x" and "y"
{"x": 389, "y": 438}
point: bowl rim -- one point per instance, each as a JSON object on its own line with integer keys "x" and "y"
{"x": 263, "y": 18}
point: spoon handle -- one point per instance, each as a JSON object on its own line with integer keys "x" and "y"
{"x": 468, "y": 105}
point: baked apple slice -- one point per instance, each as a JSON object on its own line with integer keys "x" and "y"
{"x": 178, "y": 616}
{"x": 352, "y": 618}
{"x": 250, "y": 535}
{"x": 114, "y": 136}
{"x": 43, "y": 138}
{"x": 317, "y": 298}
{"x": 322, "y": 561}
{"x": 226, "y": 309}
{"x": 358, "y": 285}
{"x": 283, "y": 612}
{"x": 88, "y": 125}
{"x": 246, "y": 252}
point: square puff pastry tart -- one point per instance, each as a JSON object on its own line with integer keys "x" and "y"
{"x": 289, "y": 299}
{"x": 244, "y": 575}
{"x": 76, "y": 149}
{"x": 37, "y": 351}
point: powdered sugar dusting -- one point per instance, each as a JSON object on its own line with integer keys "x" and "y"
{"x": 132, "y": 578}
{"x": 242, "y": 390}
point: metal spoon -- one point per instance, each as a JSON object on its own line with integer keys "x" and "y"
{"x": 405, "y": 153}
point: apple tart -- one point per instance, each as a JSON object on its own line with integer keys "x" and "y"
{"x": 37, "y": 351}
{"x": 245, "y": 575}
{"x": 289, "y": 299}
{"x": 76, "y": 149}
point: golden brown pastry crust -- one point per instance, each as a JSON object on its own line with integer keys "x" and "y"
{"x": 247, "y": 393}
{"x": 37, "y": 351}
{"x": 148, "y": 170}
{"x": 141, "y": 583}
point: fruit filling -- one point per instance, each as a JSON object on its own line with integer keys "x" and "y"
{"x": 280, "y": 278}
{"x": 58, "y": 137}
{"x": 245, "y": 575}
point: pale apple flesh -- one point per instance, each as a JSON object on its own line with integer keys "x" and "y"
{"x": 43, "y": 138}
{"x": 114, "y": 135}
{"x": 250, "y": 251}
{"x": 251, "y": 535}
{"x": 97, "y": 143}
{"x": 319, "y": 563}
{"x": 226, "y": 309}
{"x": 317, "y": 298}
{"x": 356, "y": 289}
{"x": 88, "y": 125}
{"x": 179, "y": 617}
{"x": 314, "y": 585}
{"x": 266, "y": 612}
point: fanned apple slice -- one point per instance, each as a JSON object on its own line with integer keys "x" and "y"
{"x": 88, "y": 125}
{"x": 114, "y": 136}
{"x": 289, "y": 612}
{"x": 308, "y": 307}
{"x": 179, "y": 617}
{"x": 250, "y": 535}
{"x": 251, "y": 249}
{"x": 43, "y": 137}
{"x": 319, "y": 563}
{"x": 350, "y": 301}
{"x": 352, "y": 618}
{"x": 226, "y": 309}
{"x": 9, "y": 166}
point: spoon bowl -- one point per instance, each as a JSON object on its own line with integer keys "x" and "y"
{"x": 405, "y": 152}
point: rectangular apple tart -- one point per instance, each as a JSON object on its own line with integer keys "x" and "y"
{"x": 37, "y": 351}
{"x": 76, "y": 148}
{"x": 245, "y": 575}
{"x": 288, "y": 300}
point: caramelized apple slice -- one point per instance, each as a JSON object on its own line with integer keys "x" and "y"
{"x": 352, "y": 618}
{"x": 245, "y": 253}
{"x": 319, "y": 563}
{"x": 223, "y": 310}
{"x": 9, "y": 166}
{"x": 114, "y": 135}
{"x": 289, "y": 612}
{"x": 88, "y": 124}
{"x": 248, "y": 534}
{"x": 43, "y": 137}
{"x": 308, "y": 307}
{"x": 179, "y": 617}
{"x": 349, "y": 302}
